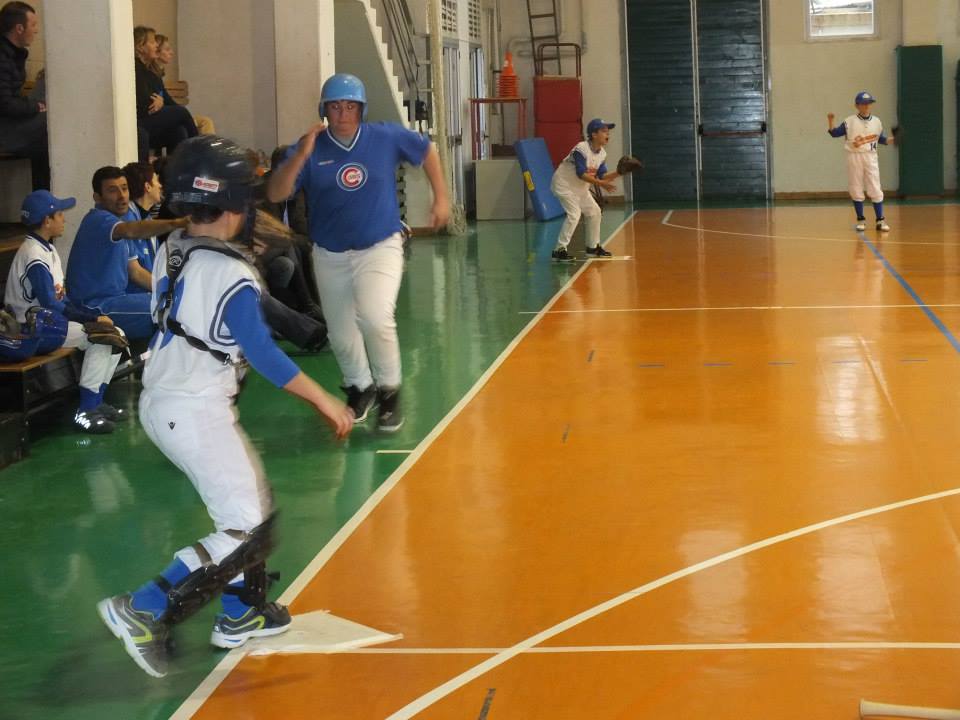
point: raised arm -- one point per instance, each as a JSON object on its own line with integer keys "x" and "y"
{"x": 283, "y": 179}
{"x": 147, "y": 228}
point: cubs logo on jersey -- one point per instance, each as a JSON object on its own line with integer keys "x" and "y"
{"x": 352, "y": 176}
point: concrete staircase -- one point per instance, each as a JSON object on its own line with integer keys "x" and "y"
{"x": 361, "y": 50}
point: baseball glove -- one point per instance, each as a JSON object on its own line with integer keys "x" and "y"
{"x": 627, "y": 164}
{"x": 100, "y": 333}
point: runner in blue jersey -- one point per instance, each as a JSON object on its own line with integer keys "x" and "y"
{"x": 348, "y": 172}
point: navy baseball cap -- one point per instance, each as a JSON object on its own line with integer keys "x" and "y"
{"x": 598, "y": 124}
{"x": 41, "y": 203}
{"x": 864, "y": 98}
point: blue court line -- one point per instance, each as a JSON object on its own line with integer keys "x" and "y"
{"x": 912, "y": 293}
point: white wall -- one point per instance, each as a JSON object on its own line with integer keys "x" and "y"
{"x": 227, "y": 55}
{"x": 810, "y": 79}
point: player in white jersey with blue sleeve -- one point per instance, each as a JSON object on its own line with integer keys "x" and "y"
{"x": 35, "y": 281}
{"x": 348, "y": 172}
{"x": 862, "y": 133}
{"x": 584, "y": 165}
{"x": 206, "y": 304}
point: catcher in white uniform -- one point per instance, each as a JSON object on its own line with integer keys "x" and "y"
{"x": 206, "y": 303}
{"x": 863, "y": 132}
{"x": 582, "y": 168}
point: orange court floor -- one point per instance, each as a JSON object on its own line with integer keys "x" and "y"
{"x": 717, "y": 476}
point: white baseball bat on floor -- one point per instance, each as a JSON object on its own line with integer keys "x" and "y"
{"x": 878, "y": 709}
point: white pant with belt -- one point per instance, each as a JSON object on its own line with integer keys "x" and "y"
{"x": 577, "y": 201}
{"x": 358, "y": 292}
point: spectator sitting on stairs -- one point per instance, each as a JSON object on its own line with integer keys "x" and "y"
{"x": 159, "y": 65}
{"x": 23, "y": 121}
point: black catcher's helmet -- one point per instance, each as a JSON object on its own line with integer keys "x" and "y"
{"x": 211, "y": 171}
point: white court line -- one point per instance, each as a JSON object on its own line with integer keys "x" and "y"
{"x": 232, "y": 658}
{"x": 853, "y": 239}
{"x": 911, "y": 306}
{"x": 455, "y": 683}
{"x": 675, "y": 647}
{"x": 394, "y": 452}
{"x": 666, "y": 218}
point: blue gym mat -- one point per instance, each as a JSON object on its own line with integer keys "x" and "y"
{"x": 537, "y": 173}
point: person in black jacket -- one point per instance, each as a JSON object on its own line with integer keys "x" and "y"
{"x": 23, "y": 122}
{"x": 166, "y": 123}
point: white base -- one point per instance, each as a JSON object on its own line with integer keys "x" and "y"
{"x": 319, "y": 632}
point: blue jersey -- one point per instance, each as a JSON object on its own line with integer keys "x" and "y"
{"x": 144, "y": 251}
{"x": 97, "y": 268}
{"x": 352, "y": 190}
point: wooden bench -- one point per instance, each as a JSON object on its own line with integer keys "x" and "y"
{"x": 27, "y": 388}
{"x": 36, "y": 383}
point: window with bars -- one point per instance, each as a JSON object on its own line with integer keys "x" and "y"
{"x": 834, "y": 19}
{"x": 448, "y": 17}
{"x": 473, "y": 11}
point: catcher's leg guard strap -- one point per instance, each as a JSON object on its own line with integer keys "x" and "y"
{"x": 256, "y": 582}
{"x": 207, "y": 582}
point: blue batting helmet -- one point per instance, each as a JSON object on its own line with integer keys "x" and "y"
{"x": 343, "y": 86}
{"x": 14, "y": 344}
{"x": 864, "y": 98}
{"x": 47, "y": 327}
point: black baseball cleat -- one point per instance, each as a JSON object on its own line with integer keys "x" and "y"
{"x": 111, "y": 413}
{"x": 882, "y": 225}
{"x": 390, "y": 417}
{"x": 360, "y": 401}
{"x": 562, "y": 255}
{"x": 92, "y": 422}
{"x": 599, "y": 251}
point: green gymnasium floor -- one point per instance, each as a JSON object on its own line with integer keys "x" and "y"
{"x": 87, "y": 517}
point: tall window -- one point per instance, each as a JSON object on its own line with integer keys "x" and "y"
{"x": 448, "y": 17}
{"x": 831, "y": 19}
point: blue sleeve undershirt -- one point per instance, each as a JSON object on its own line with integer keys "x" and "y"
{"x": 41, "y": 282}
{"x": 247, "y": 326}
{"x": 839, "y": 131}
{"x": 602, "y": 170}
{"x": 580, "y": 162}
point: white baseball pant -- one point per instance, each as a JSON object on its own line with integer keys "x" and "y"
{"x": 358, "y": 293}
{"x": 201, "y": 436}
{"x": 577, "y": 201}
{"x": 99, "y": 361}
{"x": 863, "y": 173}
